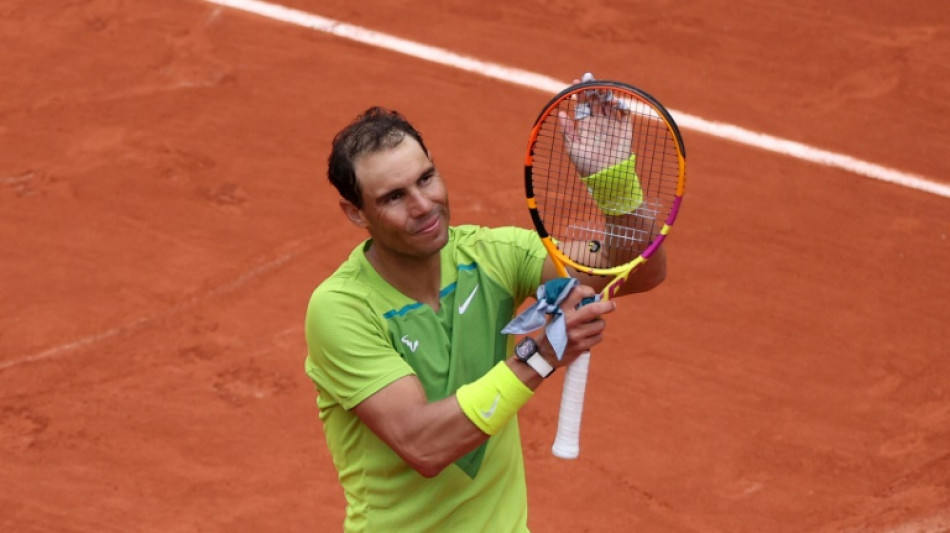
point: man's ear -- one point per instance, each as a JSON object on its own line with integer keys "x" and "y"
{"x": 353, "y": 213}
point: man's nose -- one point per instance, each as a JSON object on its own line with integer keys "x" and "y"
{"x": 419, "y": 203}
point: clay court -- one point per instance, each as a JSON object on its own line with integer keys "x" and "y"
{"x": 164, "y": 217}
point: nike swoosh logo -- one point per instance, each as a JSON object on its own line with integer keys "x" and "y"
{"x": 464, "y": 306}
{"x": 491, "y": 411}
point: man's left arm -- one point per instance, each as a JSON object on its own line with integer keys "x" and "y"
{"x": 647, "y": 276}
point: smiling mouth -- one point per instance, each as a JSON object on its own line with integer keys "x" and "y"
{"x": 429, "y": 225}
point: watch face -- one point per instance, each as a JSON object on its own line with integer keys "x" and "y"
{"x": 526, "y": 348}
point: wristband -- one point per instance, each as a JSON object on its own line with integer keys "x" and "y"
{"x": 490, "y": 401}
{"x": 616, "y": 189}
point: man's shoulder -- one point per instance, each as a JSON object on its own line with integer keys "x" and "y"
{"x": 475, "y": 234}
{"x": 347, "y": 281}
{"x": 485, "y": 242}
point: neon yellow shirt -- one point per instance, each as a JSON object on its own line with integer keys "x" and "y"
{"x": 362, "y": 334}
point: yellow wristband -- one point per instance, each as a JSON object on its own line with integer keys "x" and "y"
{"x": 616, "y": 189}
{"x": 491, "y": 401}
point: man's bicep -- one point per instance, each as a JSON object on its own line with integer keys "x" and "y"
{"x": 646, "y": 277}
{"x": 549, "y": 271}
{"x": 428, "y": 436}
{"x": 387, "y": 409}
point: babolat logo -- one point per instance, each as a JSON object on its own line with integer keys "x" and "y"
{"x": 411, "y": 344}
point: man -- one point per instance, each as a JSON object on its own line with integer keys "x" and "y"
{"x": 417, "y": 388}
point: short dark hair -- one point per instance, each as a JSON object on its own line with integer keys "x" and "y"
{"x": 375, "y": 128}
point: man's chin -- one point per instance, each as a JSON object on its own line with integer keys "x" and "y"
{"x": 437, "y": 238}
{"x": 434, "y": 236}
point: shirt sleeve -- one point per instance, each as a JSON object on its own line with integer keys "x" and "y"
{"x": 349, "y": 357}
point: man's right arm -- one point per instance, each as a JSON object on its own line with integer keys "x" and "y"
{"x": 430, "y": 436}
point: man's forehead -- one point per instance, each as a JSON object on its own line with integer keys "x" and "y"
{"x": 403, "y": 160}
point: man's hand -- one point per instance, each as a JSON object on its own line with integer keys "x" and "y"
{"x": 600, "y": 133}
{"x": 584, "y": 326}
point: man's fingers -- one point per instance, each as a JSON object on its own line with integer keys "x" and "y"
{"x": 589, "y": 311}
{"x": 567, "y": 128}
{"x": 578, "y": 293}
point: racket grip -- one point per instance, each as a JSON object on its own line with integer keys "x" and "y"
{"x": 567, "y": 443}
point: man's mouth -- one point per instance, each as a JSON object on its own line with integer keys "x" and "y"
{"x": 429, "y": 225}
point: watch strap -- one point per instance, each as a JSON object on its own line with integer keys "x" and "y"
{"x": 540, "y": 365}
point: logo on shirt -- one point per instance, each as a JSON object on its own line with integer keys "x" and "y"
{"x": 464, "y": 306}
{"x": 411, "y": 344}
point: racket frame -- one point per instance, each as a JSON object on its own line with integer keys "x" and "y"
{"x": 620, "y": 272}
{"x": 567, "y": 441}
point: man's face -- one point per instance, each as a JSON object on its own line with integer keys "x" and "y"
{"x": 405, "y": 204}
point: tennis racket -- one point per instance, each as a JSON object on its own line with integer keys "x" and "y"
{"x": 604, "y": 177}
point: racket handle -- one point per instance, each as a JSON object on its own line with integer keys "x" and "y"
{"x": 567, "y": 443}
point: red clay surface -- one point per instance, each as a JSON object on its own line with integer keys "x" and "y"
{"x": 164, "y": 216}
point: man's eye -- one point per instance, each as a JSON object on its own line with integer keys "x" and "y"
{"x": 393, "y": 197}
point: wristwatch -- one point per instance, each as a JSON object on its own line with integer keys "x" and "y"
{"x": 527, "y": 352}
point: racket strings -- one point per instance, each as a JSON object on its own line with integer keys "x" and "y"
{"x": 583, "y": 222}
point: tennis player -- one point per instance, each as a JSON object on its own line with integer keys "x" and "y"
{"x": 417, "y": 389}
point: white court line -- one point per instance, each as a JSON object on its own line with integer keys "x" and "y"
{"x": 550, "y": 85}
{"x": 231, "y": 286}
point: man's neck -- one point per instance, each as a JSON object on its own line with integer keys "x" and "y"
{"x": 417, "y": 278}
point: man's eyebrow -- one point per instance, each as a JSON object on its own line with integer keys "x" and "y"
{"x": 382, "y": 196}
{"x": 427, "y": 172}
